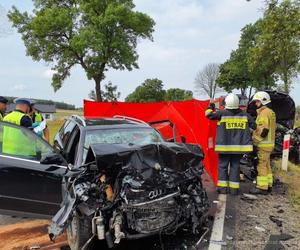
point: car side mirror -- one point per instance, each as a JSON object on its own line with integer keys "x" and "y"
{"x": 52, "y": 158}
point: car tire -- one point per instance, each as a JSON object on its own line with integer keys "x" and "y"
{"x": 79, "y": 232}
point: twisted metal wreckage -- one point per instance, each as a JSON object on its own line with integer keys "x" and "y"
{"x": 129, "y": 191}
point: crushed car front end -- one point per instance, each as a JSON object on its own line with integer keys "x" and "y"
{"x": 129, "y": 191}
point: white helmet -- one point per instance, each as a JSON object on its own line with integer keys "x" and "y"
{"x": 263, "y": 97}
{"x": 232, "y": 101}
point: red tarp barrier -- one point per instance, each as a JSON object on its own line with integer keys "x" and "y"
{"x": 188, "y": 117}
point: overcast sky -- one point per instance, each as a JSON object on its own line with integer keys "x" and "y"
{"x": 188, "y": 35}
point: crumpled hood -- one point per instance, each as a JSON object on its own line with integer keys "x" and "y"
{"x": 146, "y": 160}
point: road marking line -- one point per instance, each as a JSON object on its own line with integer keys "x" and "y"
{"x": 218, "y": 226}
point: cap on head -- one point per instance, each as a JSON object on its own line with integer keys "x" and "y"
{"x": 32, "y": 102}
{"x": 263, "y": 97}
{"x": 232, "y": 101}
{"x": 3, "y": 100}
{"x": 22, "y": 101}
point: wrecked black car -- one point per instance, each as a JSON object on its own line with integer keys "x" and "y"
{"x": 128, "y": 191}
{"x": 106, "y": 179}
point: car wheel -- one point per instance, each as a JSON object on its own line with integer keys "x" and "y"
{"x": 79, "y": 232}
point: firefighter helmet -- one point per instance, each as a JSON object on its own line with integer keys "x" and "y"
{"x": 232, "y": 101}
{"x": 263, "y": 97}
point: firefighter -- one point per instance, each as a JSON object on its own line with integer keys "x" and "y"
{"x": 264, "y": 140}
{"x": 233, "y": 140}
{"x": 3, "y": 105}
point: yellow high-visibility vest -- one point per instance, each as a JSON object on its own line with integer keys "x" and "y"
{"x": 15, "y": 142}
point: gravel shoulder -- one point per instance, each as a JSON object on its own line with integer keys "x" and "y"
{"x": 271, "y": 215}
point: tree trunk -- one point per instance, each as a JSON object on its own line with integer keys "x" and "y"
{"x": 250, "y": 93}
{"x": 243, "y": 91}
{"x": 286, "y": 82}
{"x": 98, "y": 90}
{"x": 98, "y": 78}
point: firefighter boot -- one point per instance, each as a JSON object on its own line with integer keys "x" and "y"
{"x": 222, "y": 190}
{"x": 255, "y": 190}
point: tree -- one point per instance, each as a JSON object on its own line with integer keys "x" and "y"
{"x": 109, "y": 94}
{"x": 279, "y": 40}
{"x": 236, "y": 73}
{"x": 97, "y": 35}
{"x": 205, "y": 82}
{"x": 150, "y": 91}
{"x": 176, "y": 94}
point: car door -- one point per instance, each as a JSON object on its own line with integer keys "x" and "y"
{"x": 27, "y": 187}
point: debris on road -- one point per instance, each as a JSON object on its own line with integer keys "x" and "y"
{"x": 260, "y": 229}
{"x": 249, "y": 197}
{"x": 274, "y": 241}
{"x": 228, "y": 237}
{"x": 280, "y": 211}
{"x": 252, "y": 216}
{"x": 276, "y": 220}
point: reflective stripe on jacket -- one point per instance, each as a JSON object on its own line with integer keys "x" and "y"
{"x": 233, "y": 132}
{"x": 266, "y": 119}
{"x": 14, "y": 141}
{"x": 1, "y": 117}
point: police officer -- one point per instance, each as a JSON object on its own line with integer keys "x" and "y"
{"x": 20, "y": 115}
{"x": 264, "y": 139}
{"x": 233, "y": 140}
{"x": 3, "y": 105}
{"x": 15, "y": 142}
{"x": 37, "y": 119}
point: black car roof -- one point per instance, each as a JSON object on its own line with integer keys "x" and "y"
{"x": 108, "y": 122}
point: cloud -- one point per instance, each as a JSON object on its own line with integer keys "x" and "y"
{"x": 232, "y": 10}
{"x": 48, "y": 73}
{"x": 19, "y": 87}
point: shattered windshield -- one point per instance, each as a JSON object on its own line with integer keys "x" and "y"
{"x": 140, "y": 136}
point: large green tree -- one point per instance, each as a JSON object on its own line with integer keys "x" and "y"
{"x": 236, "y": 73}
{"x": 97, "y": 35}
{"x": 279, "y": 41}
{"x": 176, "y": 94}
{"x": 151, "y": 90}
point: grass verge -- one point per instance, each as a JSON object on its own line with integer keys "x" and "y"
{"x": 60, "y": 117}
{"x": 291, "y": 178}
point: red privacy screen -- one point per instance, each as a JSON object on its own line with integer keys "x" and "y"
{"x": 186, "y": 118}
